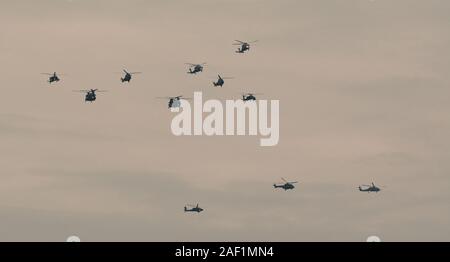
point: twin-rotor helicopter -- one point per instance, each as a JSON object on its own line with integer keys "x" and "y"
{"x": 174, "y": 101}
{"x": 91, "y": 95}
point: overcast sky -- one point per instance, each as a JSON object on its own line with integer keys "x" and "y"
{"x": 364, "y": 96}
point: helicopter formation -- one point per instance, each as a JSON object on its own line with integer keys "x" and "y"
{"x": 175, "y": 101}
{"x": 288, "y": 185}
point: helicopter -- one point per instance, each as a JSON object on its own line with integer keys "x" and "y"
{"x": 369, "y": 188}
{"x": 245, "y": 46}
{"x": 91, "y": 95}
{"x": 249, "y": 97}
{"x": 286, "y": 186}
{"x": 127, "y": 77}
{"x": 221, "y": 81}
{"x": 195, "y": 68}
{"x": 174, "y": 101}
{"x": 193, "y": 208}
{"x": 52, "y": 77}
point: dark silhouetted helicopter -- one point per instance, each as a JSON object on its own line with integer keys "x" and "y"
{"x": 249, "y": 97}
{"x": 91, "y": 95}
{"x": 369, "y": 188}
{"x": 193, "y": 208}
{"x": 221, "y": 81}
{"x": 195, "y": 68}
{"x": 245, "y": 46}
{"x": 174, "y": 101}
{"x": 286, "y": 186}
{"x": 127, "y": 77}
{"x": 52, "y": 77}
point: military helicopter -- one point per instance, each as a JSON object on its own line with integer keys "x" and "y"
{"x": 369, "y": 188}
{"x": 221, "y": 81}
{"x": 174, "y": 101}
{"x": 193, "y": 208}
{"x": 245, "y": 46}
{"x": 127, "y": 77}
{"x": 286, "y": 186}
{"x": 249, "y": 97}
{"x": 52, "y": 77}
{"x": 195, "y": 68}
{"x": 91, "y": 95}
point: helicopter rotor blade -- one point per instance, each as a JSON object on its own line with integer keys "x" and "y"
{"x": 239, "y": 41}
{"x": 132, "y": 73}
{"x": 284, "y": 179}
{"x": 252, "y": 94}
{"x": 171, "y": 97}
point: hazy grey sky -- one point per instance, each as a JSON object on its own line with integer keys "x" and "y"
{"x": 364, "y": 96}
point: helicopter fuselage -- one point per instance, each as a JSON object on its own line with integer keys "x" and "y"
{"x": 174, "y": 102}
{"x": 198, "y": 210}
{"x": 286, "y": 186}
{"x": 90, "y": 97}
{"x": 194, "y": 209}
{"x": 126, "y": 78}
{"x": 219, "y": 82}
{"x": 370, "y": 189}
{"x": 197, "y": 69}
{"x": 249, "y": 98}
{"x": 244, "y": 47}
{"x": 53, "y": 79}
